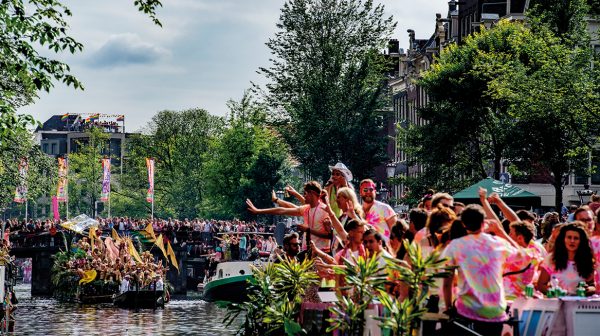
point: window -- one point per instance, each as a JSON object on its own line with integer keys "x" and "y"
{"x": 45, "y": 148}
{"x": 53, "y": 149}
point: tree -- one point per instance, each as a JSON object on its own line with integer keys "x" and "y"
{"x": 467, "y": 132}
{"x": 246, "y": 161}
{"x": 26, "y": 26}
{"x": 514, "y": 91}
{"x": 178, "y": 142}
{"x": 327, "y": 82}
{"x": 41, "y": 175}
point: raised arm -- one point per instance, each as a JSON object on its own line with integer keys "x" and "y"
{"x": 296, "y": 211}
{"x": 506, "y": 210}
{"x": 294, "y": 193}
{"x": 335, "y": 222}
{"x": 489, "y": 213}
{"x": 280, "y": 202}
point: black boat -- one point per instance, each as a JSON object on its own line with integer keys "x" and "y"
{"x": 144, "y": 299}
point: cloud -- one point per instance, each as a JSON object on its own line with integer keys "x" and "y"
{"x": 126, "y": 49}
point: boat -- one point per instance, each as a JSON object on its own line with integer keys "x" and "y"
{"x": 144, "y": 299}
{"x": 230, "y": 281}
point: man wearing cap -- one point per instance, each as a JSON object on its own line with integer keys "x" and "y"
{"x": 378, "y": 214}
{"x": 340, "y": 177}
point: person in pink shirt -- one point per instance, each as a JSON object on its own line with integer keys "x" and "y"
{"x": 378, "y": 214}
{"x": 571, "y": 262}
{"x": 480, "y": 259}
{"x": 515, "y": 279}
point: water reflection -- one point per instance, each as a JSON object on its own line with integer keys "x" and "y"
{"x": 49, "y": 317}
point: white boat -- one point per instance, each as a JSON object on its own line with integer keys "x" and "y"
{"x": 230, "y": 281}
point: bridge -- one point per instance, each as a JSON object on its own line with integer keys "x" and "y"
{"x": 41, "y": 247}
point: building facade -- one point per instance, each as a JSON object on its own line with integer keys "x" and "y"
{"x": 464, "y": 18}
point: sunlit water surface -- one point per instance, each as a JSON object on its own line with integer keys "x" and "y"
{"x": 37, "y": 316}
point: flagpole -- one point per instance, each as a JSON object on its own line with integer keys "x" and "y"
{"x": 152, "y": 215}
{"x": 67, "y": 185}
{"x": 26, "y": 204}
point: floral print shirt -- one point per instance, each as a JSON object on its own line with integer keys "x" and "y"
{"x": 480, "y": 259}
{"x": 378, "y": 216}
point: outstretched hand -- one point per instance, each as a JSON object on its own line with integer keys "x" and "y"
{"x": 273, "y": 196}
{"x": 251, "y": 206}
{"x": 494, "y": 198}
{"x": 289, "y": 189}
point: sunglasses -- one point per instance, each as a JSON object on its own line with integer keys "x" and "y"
{"x": 336, "y": 173}
{"x": 294, "y": 244}
{"x": 368, "y": 189}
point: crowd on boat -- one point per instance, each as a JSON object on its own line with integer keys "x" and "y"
{"x": 497, "y": 260}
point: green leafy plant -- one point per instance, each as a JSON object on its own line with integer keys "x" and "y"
{"x": 274, "y": 298}
{"x": 364, "y": 278}
{"x": 403, "y": 315}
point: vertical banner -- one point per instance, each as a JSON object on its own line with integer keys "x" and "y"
{"x": 61, "y": 190}
{"x": 21, "y": 192}
{"x": 105, "y": 180}
{"x": 150, "y": 166}
{"x": 55, "y": 207}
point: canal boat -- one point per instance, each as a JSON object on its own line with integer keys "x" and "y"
{"x": 140, "y": 299}
{"x": 230, "y": 281}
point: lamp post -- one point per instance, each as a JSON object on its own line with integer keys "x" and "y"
{"x": 390, "y": 170}
{"x": 585, "y": 194}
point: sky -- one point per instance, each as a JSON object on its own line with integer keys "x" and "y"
{"x": 206, "y": 53}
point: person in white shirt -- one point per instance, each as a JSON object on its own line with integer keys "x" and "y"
{"x": 124, "y": 284}
{"x": 159, "y": 283}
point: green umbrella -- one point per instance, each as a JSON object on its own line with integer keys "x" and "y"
{"x": 511, "y": 194}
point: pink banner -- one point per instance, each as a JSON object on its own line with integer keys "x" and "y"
{"x": 55, "y": 208}
{"x": 150, "y": 166}
{"x": 105, "y": 180}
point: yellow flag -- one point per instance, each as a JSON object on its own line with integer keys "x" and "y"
{"x": 161, "y": 245}
{"x": 92, "y": 236}
{"x": 88, "y": 276}
{"x": 171, "y": 255}
{"x": 133, "y": 252}
{"x": 150, "y": 231}
{"x": 115, "y": 235}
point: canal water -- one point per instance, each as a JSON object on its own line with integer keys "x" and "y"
{"x": 43, "y": 316}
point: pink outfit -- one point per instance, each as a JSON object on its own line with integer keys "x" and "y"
{"x": 514, "y": 285}
{"x": 378, "y": 216}
{"x": 315, "y": 219}
{"x": 568, "y": 279}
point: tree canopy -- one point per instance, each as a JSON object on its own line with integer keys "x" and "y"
{"x": 327, "y": 84}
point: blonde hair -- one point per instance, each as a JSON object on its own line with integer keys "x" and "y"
{"x": 351, "y": 195}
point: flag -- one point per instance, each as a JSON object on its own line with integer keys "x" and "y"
{"x": 88, "y": 276}
{"x": 64, "y": 117}
{"x": 115, "y": 235}
{"x": 55, "y": 208}
{"x": 94, "y": 116}
{"x": 150, "y": 166}
{"x": 92, "y": 237}
{"x": 87, "y": 120}
{"x": 171, "y": 255}
{"x": 121, "y": 117}
{"x": 62, "y": 189}
{"x": 133, "y": 252}
{"x": 159, "y": 243}
{"x": 21, "y": 191}
{"x": 105, "y": 195}
{"x": 149, "y": 232}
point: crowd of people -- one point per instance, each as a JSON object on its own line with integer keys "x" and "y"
{"x": 497, "y": 260}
